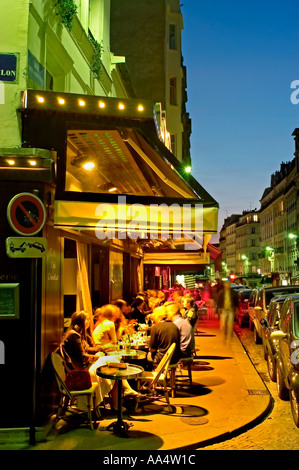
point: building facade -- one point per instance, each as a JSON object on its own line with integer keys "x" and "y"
{"x": 279, "y": 223}
{"x": 248, "y": 244}
{"x": 80, "y": 151}
{"x": 266, "y": 240}
{"x": 155, "y": 62}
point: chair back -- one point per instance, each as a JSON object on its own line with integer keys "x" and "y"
{"x": 59, "y": 369}
{"x": 164, "y": 364}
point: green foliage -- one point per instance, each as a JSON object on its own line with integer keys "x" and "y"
{"x": 97, "y": 62}
{"x": 66, "y": 9}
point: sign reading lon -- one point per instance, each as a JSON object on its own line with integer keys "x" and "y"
{"x": 26, "y": 214}
{"x": 26, "y": 247}
{"x": 9, "y": 67}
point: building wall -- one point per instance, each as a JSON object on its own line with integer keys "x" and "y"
{"x": 52, "y": 58}
{"x": 278, "y": 219}
{"x": 141, "y": 32}
{"x": 248, "y": 244}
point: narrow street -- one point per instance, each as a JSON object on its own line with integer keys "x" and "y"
{"x": 277, "y": 431}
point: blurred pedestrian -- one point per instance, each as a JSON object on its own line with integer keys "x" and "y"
{"x": 227, "y": 307}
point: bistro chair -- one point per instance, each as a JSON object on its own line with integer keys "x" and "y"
{"x": 185, "y": 362}
{"x": 156, "y": 380}
{"x": 67, "y": 397}
{"x": 177, "y": 378}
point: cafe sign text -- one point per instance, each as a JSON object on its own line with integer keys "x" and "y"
{"x": 9, "y": 67}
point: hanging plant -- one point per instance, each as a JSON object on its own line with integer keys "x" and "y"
{"x": 66, "y": 9}
{"x": 96, "y": 61}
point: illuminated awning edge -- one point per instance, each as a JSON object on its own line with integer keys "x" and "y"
{"x": 176, "y": 258}
{"x": 146, "y": 218}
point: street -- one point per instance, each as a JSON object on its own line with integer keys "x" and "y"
{"x": 277, "y": 431}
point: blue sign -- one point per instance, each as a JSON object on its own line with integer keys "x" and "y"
{"x": 36, "y": 71}
{"x": 9, "y": 67}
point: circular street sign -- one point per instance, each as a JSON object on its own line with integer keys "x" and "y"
{"x": 26, "y": 214}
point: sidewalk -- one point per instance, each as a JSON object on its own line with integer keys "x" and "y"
{"x": 227, "y": 395}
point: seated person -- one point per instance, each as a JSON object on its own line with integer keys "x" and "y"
{"x": 187, "y": 342}
{"x": 190, "y": 310}
{"x": 136, "y": 312}
{"x": 104, "y": 333}
{"x": 77, "y": 354}
{"x": 163, "y": 334}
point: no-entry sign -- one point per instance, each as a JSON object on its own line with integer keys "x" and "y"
{"x": 26, "y": 214}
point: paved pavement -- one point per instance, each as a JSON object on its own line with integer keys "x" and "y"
{"x": 227, "y": 396}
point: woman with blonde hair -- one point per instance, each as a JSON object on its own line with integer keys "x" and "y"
{"x": 104, "y": 332}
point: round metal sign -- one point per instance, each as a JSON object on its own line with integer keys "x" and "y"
{"x": 26, "y": 214}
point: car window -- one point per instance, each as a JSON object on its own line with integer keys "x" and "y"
{"x": 269, "y": 296}
{"x": 260, "y": 300}
{"x": 284, "y": 312}
{"x": 252, "y": 298}
{"x": 245, "y": 294}
{"x": 296, "y": 319}
{"x": 271, "y": 313}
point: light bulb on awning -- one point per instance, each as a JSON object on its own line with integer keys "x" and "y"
{"x": 88, "y": 166}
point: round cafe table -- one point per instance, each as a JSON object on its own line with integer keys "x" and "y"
{"x": 131, "y": 372}
{"x": 135, "y": 354}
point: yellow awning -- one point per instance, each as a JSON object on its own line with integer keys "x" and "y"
{"x": 175, "y": 220}
{"x": 177, "y": 258}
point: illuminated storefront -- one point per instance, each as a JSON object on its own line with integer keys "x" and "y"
{"x": 108, "y": 186}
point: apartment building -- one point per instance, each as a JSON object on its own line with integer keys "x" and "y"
{"x": 148, "y": 33}
{"x": 266, "y": 241}
{"x": 248, "y": 244}
{"x": 278, "y": 221}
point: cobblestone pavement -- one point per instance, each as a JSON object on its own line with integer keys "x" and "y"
{"x": 277, "y": 431}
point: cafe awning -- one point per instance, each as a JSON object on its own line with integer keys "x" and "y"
{"x": 113, "y": 172}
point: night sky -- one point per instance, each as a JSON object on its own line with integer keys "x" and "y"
{"x": 241, "y": 59}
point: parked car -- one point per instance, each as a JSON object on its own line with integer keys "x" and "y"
{"x": 251, "y": 304}
{"x": 270, "y": 324}
{"x": 287, "y": 358}
{"x": 262, "y": 305}
{"x": 242, "y": 316}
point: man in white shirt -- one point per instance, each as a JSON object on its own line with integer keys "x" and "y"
{"x": 187, "y": 342}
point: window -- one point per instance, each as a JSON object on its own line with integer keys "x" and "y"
{"x": 173, "y": 143}
{"x": 172, "y": 36}
{"x": 172, "y": 91}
